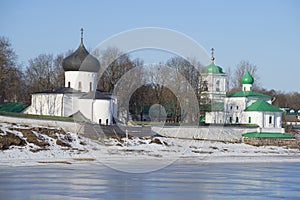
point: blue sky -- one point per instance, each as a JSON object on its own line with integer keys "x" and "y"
{"x": 264, "y": 32}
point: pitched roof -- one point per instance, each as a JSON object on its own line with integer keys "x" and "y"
{"x": 262, "y": 106}
{"x": 11, "y": 107}
{"x": 63, "y": 90}
{"x": 267, "y": 135}
{"x": 97, "y": 95}
{"x": 217, "y": 106}
{"x": 78, "y": 116}
{"x": 249, "y": 94}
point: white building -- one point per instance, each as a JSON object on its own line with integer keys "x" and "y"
{"x": 243, "y": 107}
{"x": 80, "y": 96}
{"x": 214, "y": 83}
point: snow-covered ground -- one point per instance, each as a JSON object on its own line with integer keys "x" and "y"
{"x": 134, "y": 154}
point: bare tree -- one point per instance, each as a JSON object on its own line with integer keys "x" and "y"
{"x": 11, "y": 76}
{"x": 283, "y": 99}
{"x": 114, "y": 64}
{"x": 240, "y": 70}
{"x": 58, "y": 76}
{"x": 38, "y": 73}
{"x": 16, "y": 88}
{"x": 187, "y": 77}
{"x": 45, "y": 73}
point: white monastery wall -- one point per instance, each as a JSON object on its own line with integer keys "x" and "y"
{"x": 46, "y": 104}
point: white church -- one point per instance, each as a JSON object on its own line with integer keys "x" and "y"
{"x": 243, "y": 107}
{"x": 79, "y": 97}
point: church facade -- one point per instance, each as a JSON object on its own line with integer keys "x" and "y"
{"x": 80, "y": 97}
{"x": 244, "y": 107}
{"x": 214, "y": 83}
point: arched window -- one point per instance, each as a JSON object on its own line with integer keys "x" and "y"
{"x": 99, "y": 121}
{"x": 237, "y": 120}
{"x": 79, "y": 86}
{"x": 218, "y": 86}
{"x": 205, "y": 86}
{"x": 106, "y": 121}
{"x": 270, "y": 120}
{"x": 69, "y": 84}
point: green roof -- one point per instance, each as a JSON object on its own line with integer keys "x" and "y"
{"x": 214, "y": 69}
{"x": 261, "y": 105}
{"x": 212, "y": 107}
{"x": 247, "y": 78}
{"x": 11, "y": 107}
{"x": 249, "y": 94}
{"x": 202, "y": 119}
{"x": 267, "y": 135}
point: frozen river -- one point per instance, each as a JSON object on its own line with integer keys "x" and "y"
{"x": 178, "y": 181}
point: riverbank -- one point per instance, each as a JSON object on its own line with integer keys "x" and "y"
{"x": 44, "y": 145}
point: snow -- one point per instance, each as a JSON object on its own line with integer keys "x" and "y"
{"x": 139, "y": 154}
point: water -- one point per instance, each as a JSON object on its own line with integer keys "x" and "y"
{"x": 179, "y": 181}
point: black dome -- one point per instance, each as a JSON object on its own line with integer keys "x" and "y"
{"x": 81, "y": 60}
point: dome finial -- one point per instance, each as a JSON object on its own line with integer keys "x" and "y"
{"x": 81, "y": 30}
{"x": 212, "y": 55}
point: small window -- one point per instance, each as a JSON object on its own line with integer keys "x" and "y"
{"x": 205, "y": 86}
{"x": 230, "y": 107}
{"x": 230, "y": 120}
{"x": 270, "y": 120}
{"x": 90, "y": 86}
{"x": 236, "y": 120}
{"x": 106, "y": 121}
{"x": 79, "y": 86}
{"x": 69, "y": 84}
{"x": 249, "y": 120}
{"x": 217, "y": 86}
{"x": 237, "y": 107}
{"x": 99, "y": 121}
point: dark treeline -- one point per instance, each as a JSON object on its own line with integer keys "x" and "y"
{"x": 45, "y": 72}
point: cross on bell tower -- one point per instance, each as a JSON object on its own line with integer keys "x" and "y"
{"x": 212, "y": 54}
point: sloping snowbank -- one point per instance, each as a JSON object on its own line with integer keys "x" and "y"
{"x": 134, "y": 154}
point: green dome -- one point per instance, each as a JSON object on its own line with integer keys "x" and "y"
{"x": 247, "y": 78}
{"x": 214, "y": 69}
